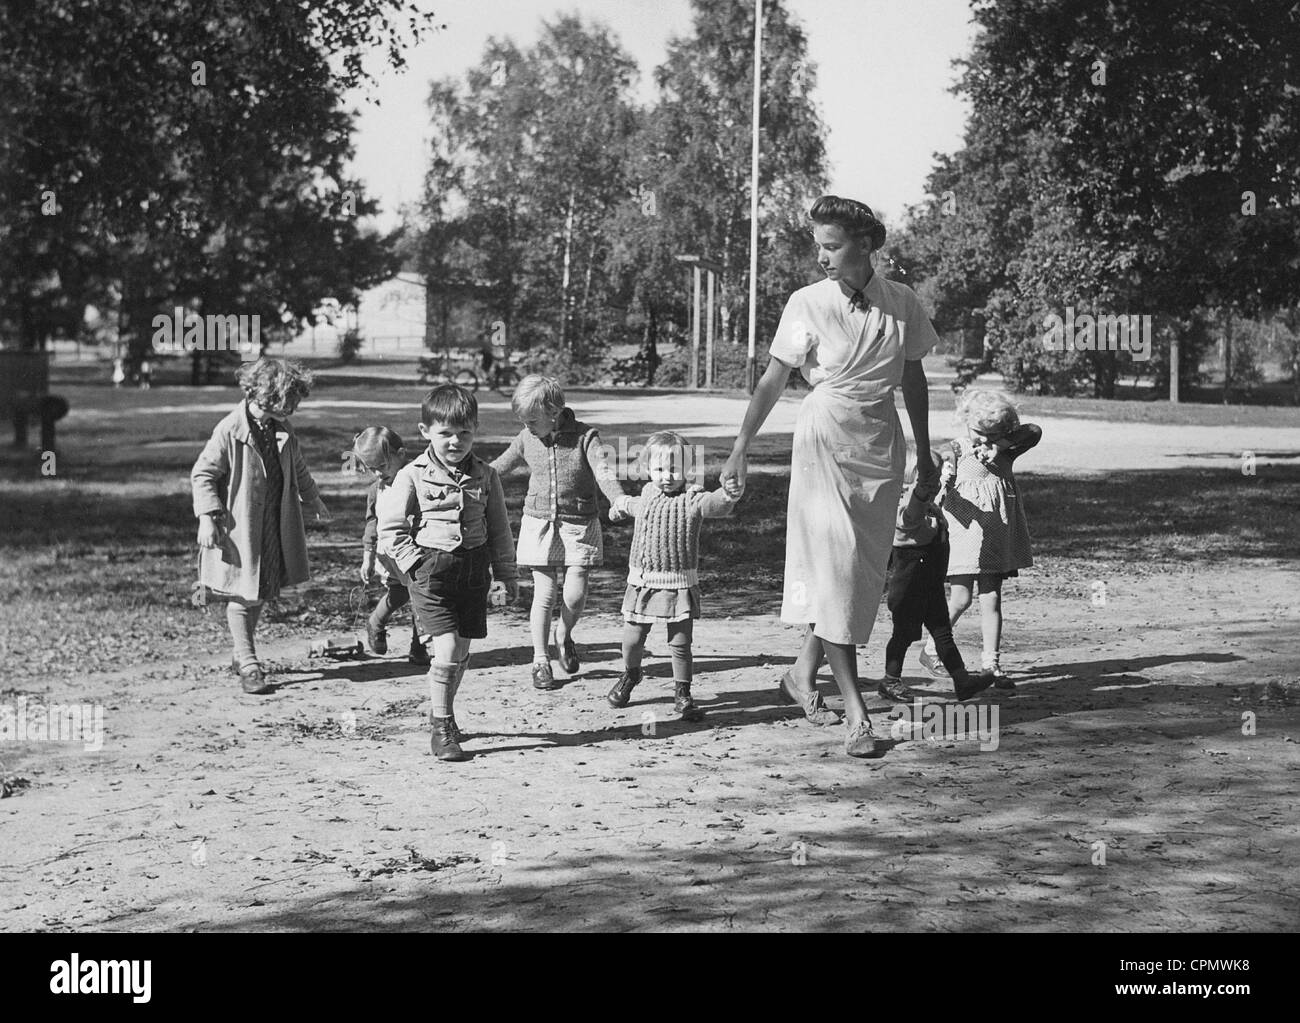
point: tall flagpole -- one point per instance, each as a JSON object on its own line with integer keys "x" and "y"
{"x": 753, "y": 197}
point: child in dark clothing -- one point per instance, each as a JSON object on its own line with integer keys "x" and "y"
{"x": 378, "y": 451}
{"x": 917, "y": 568}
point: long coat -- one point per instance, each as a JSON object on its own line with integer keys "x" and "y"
{"x": 229, "y": 476}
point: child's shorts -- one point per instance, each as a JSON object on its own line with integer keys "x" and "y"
{"x": 450, "y": 592}
{"x": 555, "y": 544}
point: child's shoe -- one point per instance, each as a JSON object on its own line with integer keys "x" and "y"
{"x": 968, "y": 685}
{"x": 621, "y": 692}
{"x": 893, "y": 689}
{"x": 931, "y": 663}
{"x": 569, "y": 657}
{"x": 543, "y": 677}
{"x": 419, "y": 654}
{"x": 1000, "y": 679}
{"x": 687, "y": 709}
{"x": 443, "y": 741}
{"x": 377, "y": 636}
{"x": 255, "y": 681}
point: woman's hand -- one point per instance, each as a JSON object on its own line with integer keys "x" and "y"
{"x": 322, "y": 513}
{"x": 734, "y": 472}
{"x": 210, "y": 533}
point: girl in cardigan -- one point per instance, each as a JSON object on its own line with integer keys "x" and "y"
{"x": 663, "y": 565}
{"x": 559, "y": 533}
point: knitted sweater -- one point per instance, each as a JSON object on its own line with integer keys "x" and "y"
{"x": 665, "y": 552}
{"x": 566, "y": 468}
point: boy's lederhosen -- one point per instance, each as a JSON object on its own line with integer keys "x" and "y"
{"x": 915, "y": 588}
{"x": 451, "y": 591}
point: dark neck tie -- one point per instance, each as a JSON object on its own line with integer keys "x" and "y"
{"x": 859, "y": 300}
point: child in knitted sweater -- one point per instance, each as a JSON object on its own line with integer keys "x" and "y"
{"x": 663, "y": 565}
{"x": 559, "y": 531}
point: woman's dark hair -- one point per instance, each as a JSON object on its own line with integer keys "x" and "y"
{"x": 854, "y": 217}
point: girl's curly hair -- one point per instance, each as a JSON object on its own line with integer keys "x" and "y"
{"x": 274, "y": 383}
{"x": 987, "y": 411}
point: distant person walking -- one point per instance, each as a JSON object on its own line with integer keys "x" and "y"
{"x": 854, "y": 337}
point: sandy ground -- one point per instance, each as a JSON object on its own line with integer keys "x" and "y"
{"x": 1145, "y": 774}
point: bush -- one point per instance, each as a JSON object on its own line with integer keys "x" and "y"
{"x": 553, "y": 362}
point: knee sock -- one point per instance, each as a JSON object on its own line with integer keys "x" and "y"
{"x": 633, "y": 647}
{"x": 573, "y": 602}
{"x": 242, "y": 619}
{"x": 461, "y": 665}
{"x": 542, "y": 614}
{"x": 442, "y": 678}
{"x": 679, "y": 647}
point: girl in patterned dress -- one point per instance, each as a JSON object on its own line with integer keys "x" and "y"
{"x": 986, "y": 517}
{"x": 663, "y": 570}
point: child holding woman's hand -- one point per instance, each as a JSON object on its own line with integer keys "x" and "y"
{"x": 663, "y": 565}
{"x": 985, "y": 514}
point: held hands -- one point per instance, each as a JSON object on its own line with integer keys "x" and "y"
{"x": 925, "y": 490}
{"x": 503, "y": 591}
{"x": 618, "y": 510}
{"x": 733, "y": 474}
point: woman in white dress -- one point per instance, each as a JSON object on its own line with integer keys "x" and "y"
{"x": 855, "y": 337}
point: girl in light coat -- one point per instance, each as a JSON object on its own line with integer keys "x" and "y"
{"x": 250, "y": 485}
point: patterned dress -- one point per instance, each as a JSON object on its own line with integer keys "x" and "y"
{"x": 988, "y": 530}
{"x": 273, "y": 571}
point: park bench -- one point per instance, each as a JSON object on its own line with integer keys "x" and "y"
{"x": 25, "y": 395}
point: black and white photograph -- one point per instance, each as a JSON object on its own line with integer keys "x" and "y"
{"x": 669, "y": 466}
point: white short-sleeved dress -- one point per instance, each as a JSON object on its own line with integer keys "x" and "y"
{"x": 846, "y": 468}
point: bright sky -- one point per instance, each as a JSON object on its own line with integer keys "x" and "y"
{"x": 884, "y": 70}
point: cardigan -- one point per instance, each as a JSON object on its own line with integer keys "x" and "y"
{"x": 566, "y": 468}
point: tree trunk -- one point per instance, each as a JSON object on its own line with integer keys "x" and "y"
{"x": 583, "y": 329}
{"x": 1227, "y": 353}
{"x": 650, "y": 345}
{"x": 564, "y": 283}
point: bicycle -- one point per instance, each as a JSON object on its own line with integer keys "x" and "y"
{"x": 502, "y": 379}
{"x": 432, "y": 371}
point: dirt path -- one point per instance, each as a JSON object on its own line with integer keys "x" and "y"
{"x": 320, "y": 807}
